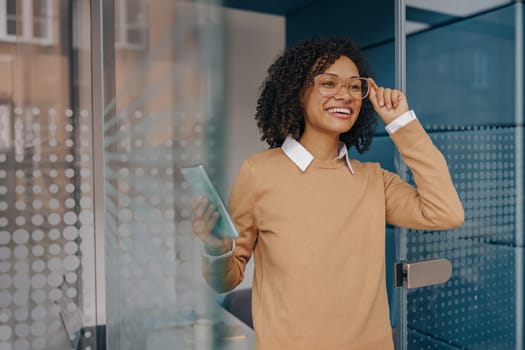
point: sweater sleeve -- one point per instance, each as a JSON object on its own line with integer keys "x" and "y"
{"x": 225, "y": 274}
{"x": 434, "y": 203}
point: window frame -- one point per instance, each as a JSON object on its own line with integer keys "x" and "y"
{"x": 27, "y": 26}
{"x": 122, "y": 25}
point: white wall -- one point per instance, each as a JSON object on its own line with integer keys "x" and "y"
{"x": 252, "y": 41}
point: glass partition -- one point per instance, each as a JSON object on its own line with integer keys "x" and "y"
{"x": 464, "y": 79}
{"x": 167, "y": 113}
{"x": 47, "y": 265}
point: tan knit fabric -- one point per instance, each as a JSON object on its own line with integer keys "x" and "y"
{"x": 318, "y": 240}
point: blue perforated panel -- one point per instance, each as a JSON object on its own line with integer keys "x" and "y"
{"x": 476, "y": 308}
{"x": 461, "y": 82}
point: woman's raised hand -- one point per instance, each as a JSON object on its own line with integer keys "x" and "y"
{"x": 388, "y": 103}
{"x": 204, "y": 219}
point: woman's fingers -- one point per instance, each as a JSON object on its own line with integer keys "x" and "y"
{"x": 379, "y": 93}
{"x": 397, "y": 97}
{"x": 200, "y": 228}
{"x": 385, "y": 97}
{"x": 208, "y": 211}
{"x": 199, "y": 206}
{"x": 214, "y": 216}
{"x": 205, "y": 217}
{"x": 388, "y": 103}
{"x": 374, "y": 94}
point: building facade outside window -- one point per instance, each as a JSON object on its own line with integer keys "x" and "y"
{"x": 131, "y": 27}
{"x": 26, "y": 21}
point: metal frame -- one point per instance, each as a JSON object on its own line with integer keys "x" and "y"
{"x": 401, "y": 233}
{"x": 103, "y": 90}
{"x": 400, "y": 44}
{"x": 518, "y": 110}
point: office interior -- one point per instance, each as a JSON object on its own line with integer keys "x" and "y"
{"x": 103, "y": 101}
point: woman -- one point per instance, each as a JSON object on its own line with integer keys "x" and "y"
{"x": 315, "y": 219}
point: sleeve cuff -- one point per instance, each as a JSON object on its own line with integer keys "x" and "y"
{"x": 400, "y": 121}
{"x": 213, "y": 258}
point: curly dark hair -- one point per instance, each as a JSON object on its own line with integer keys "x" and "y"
{"x": 279, "y": 110}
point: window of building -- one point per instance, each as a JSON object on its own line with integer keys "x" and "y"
{"x": 5, "y": 126}
{"x": 27, "y": 21}
{"x": 131, "y": 27}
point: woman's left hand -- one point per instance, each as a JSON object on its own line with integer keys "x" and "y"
{"x": 388, "y": 103}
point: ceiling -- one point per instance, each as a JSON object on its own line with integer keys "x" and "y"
{"x": 420, "y": 14}
{"x": 275, "y": 7}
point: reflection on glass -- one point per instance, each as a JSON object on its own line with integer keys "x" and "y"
{"x": 166, "y": 115}
{"x": 29, "y": 21}
{"x": 469, "y": 111}
{"x": 131, "y": 23}
{"x": 11, "y": 17}
{"x": 425, "y": 14}
{"x": 47, "y": 280}
{"x": 40, "y": 18}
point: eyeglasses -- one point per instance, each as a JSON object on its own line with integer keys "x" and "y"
{"x": 329, "y": 85}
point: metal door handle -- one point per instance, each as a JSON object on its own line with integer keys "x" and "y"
{"x": 422, "y": 273}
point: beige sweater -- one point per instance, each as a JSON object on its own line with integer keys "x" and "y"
{"x": 318, "y": 239}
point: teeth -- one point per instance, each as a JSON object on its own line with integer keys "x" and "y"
{"x": 339, "y": 110}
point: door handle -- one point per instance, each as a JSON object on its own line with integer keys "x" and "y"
{"x": 416, "y": 274}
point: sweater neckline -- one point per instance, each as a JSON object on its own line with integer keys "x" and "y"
{"x": 328, "y": 164}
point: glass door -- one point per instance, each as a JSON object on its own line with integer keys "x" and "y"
{"x": 166, "y": 113}
{"x": 464, "y": 77}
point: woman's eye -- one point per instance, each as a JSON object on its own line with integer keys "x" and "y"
{"x": 328, "y": 84}
{"x": 355, "y": 87}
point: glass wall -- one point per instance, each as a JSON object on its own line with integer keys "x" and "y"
{"x": 167, "y": 113}
{"x": 47, "y": 265}
{"x": 465, "y": 82}
{"x": 67, "y": 282}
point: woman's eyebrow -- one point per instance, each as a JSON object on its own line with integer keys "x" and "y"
{"x": 336, "y": 75}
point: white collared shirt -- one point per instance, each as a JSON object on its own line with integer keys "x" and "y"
{"x": 302, "y": 158}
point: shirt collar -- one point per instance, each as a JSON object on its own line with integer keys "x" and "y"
{"x": 302, "y": 158}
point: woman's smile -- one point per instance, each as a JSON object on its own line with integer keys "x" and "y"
{"x": 340, "y": 112}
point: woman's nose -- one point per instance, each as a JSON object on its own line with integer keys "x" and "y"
{"x": 344, "y": 94}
